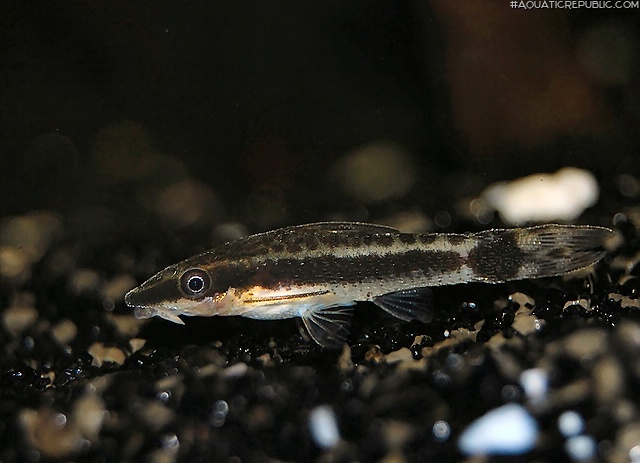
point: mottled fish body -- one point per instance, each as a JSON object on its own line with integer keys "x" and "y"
{"x": 317, "y": 271}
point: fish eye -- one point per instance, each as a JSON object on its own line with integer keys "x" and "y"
{"x": 195, "y": 282}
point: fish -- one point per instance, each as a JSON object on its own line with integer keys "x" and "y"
{"x": 319, "y": 271}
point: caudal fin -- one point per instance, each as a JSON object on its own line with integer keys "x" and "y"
{"x": 558, "y": 249}
{"x": 536, "y": 252}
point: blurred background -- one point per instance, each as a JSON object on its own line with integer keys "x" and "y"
{"x": 198, "y": 115}
{"x": 136, "y": 134}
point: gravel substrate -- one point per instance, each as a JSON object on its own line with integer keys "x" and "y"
{"x": 83, "y": 380}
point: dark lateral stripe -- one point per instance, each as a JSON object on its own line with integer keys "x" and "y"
{"x": 328, "y": 270}
{"x": 497, "y": 256}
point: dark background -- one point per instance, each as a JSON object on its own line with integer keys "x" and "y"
{"x": 259, "y": 101}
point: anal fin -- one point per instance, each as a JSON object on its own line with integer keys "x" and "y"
{"x": 328, "y": 327}
{"x": 407, "y": 305}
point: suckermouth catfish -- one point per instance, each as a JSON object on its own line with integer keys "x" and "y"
{"x": 318, "y": 271}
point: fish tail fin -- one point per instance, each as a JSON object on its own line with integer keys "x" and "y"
{"x": 537, "y": 252}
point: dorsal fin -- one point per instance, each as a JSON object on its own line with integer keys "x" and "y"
{"x": 345, "y": 226}
{"x": 335, "y": 227}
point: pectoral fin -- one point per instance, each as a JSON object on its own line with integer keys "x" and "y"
{"x": 411, "y": 304}
{"x": 328, "y": 327}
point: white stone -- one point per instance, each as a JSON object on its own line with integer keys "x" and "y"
{"x": 580, "y": 448}
{"x": 507, "y": 430}
{"x": 376, "y": 172}
{"x": 535, "y": 383}
{"x": 323, "y": 425}
{"x": 563, "y": 196}
{"x": 570, "y": 423}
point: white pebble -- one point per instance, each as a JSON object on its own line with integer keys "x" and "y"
{"x": 84, "y": 281}
{"x": 89, "y": 414}
{"x": 17, "y": 319}
{"x": 60, "y": 420}
{"x": 236, "y": 371}
{"x": 535, "y": 383}
{"x": 116, "y": 288}
{"x": 376, "y": 172}
{"x": 229, "y": 231}
{"x": 323, "y": 425}
{"x": 187, "y": 203}
{"x": 170, "y": 442}
{"x": 441, "y": 431}
{"x": 219, "y": 413}
{"x": 563, "y": 195}
{"x": 102, "y": 354}
{"x": 13, "y": 262}
{"x": 525, "y": 322}
{"x": 580, "y": 448}
{"x": 587, "y": 344}
{"x": 409, "y": 222}
{"x": 64, "y": 331}
{"x": 507, "y": 430}
{"x": 32, "y": 233}
{"x": 570, "y": 423}
{"x": 628, "y": 185}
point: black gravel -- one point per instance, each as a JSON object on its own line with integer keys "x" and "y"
{"x": 230, "y": 388}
